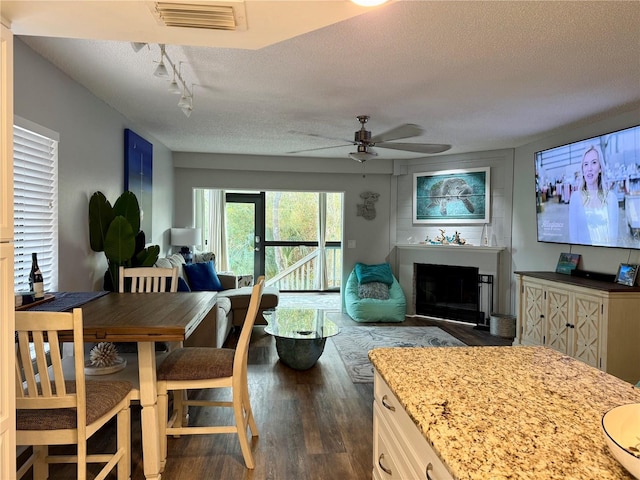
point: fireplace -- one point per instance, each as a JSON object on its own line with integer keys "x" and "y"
{"x": 448, "y": 291}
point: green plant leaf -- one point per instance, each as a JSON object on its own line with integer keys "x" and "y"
{"x": 119, "y": 244}
{"x": 127, "y": 206}
{"x": 101, "y": 215}
{"x": 147, "y": 257}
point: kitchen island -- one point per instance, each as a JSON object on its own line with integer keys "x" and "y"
{"x": 492, "y": 413}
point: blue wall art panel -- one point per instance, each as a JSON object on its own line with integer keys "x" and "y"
{"x": 138, "y": 175}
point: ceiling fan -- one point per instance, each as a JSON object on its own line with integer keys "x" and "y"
{"x": 364, "y": 141}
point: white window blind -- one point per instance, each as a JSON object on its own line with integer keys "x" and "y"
{"x": 35, "y": 203}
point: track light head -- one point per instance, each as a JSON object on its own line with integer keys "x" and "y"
{"x": 185, "y": 101}
{"x": 187, "y": 110}
{"x": 161, "y": 70}
{"x": 137, "y": 46}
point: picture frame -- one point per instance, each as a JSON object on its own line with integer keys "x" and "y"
{"x": 627, "y": 274}
{"x": 460, "y": 196}
{"x": 567, "y": 262}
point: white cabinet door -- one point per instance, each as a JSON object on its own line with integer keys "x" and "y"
{"x": 7, "y": 302}
{"x": 532, "y": 314}
{"x": 587, "y": 334}
{"x": 6, "y": 135}
{"x": 558, "y": 319}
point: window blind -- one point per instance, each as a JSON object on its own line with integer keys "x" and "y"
{"x": 35, "y": 204}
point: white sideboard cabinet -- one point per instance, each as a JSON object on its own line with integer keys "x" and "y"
{"x": 594, "y": 321}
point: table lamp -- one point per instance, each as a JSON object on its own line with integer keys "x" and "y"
{"x": 186, "y": 238}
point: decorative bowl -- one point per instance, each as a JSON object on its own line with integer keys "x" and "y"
{"x": 621, "y": 427}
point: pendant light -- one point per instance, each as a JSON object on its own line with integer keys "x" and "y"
{"x": 161, "y": 70}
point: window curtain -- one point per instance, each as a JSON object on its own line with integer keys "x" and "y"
{"x": 210, "y": 217}
{"x": 321, "y": 277}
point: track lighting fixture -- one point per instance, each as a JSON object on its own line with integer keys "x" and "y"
{"x": 173, "y": 86}
{"x": 177, "y": 84}
{"x": 161, "y": 70}
{"x": 137, "y": 46}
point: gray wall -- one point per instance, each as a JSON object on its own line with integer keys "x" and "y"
{"x": 527, "y": 253}
{"x": 372, "y": 237}
{"x": 90, "y": 157}
{"x": 499, "y": 225}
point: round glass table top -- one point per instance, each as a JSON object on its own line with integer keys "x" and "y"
{"x": 299, "y": 323}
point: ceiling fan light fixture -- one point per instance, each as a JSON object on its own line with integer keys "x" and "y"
{"x": 363, "y": 154}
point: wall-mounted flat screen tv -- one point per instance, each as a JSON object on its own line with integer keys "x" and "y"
{"x": 588, "y": 192}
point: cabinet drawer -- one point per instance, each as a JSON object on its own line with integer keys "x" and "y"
{"x": 415, "y": 446}
{"x": 388, "y": 461}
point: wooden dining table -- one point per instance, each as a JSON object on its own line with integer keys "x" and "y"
{"x": 146, "y": 318}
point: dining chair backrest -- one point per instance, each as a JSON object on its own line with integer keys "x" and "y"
{"x": 56, "y": 406}
{"x": 148, "y": 279}
{"x": 40, "y": 380}
{"x": 242, "y": 347}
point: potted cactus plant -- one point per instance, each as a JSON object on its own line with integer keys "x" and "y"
{"x": 116, "y": 232}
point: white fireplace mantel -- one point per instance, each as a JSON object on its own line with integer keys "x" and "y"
{"x": 458, "y": 248}
{"x": 486, "y": 259}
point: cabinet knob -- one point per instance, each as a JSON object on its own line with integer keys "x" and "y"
{"x": 427, "y": 470}
{"x": 567, "y": 325}
{"x": 386, "y": 405}
{"x": 572, "y": 326}
{"x": 384, "y": 469}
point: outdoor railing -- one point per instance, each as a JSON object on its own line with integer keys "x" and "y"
{"x": 302, "y": 275}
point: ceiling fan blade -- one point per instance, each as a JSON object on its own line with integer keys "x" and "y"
{"x": 403, "y": 131}
{"x": 321, "y": 148}
{"x": 415, "y": 147}
{"x": 320, "y": 136}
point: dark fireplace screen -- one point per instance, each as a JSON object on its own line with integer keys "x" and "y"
{"x": 448, "y": 291}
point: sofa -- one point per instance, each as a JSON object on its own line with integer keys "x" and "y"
{"x": 232, "y": 300}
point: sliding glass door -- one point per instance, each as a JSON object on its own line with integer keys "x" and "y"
{"x": 293, "y": 238}
{"x": 245, "y": 233}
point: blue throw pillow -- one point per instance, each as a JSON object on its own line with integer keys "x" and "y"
{"x": 374, "y": 273}
{"x": 183, "y": 286}
{"x": 202, "y": 277}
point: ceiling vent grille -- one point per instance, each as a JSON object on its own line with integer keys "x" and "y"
{"x": 195, "y": 15}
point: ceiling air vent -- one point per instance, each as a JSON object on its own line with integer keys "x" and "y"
{"x": 219, "y": 16}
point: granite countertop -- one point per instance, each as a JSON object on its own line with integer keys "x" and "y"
{"x": 508, "y": 412}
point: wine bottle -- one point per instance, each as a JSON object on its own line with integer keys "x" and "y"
{"x": 36, "y": 282}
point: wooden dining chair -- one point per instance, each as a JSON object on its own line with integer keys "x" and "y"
{"x": 208, "y": 368}
{"x": 148, "y": 279}
{"x": 54, "y": 410}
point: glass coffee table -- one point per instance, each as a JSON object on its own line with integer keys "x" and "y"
{"x": 300, "y": 334}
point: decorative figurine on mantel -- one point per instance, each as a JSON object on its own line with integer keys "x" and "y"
{"x": 442, "y": 239}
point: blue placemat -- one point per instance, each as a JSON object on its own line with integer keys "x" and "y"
{"x": 66, "y": 301}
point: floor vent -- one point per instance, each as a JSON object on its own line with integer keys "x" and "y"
{"x": 218, "y": 16}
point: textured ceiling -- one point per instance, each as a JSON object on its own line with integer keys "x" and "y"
{"x": 476, "y": 75}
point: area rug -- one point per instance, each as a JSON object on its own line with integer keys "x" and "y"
{"x": 353, "y": 345}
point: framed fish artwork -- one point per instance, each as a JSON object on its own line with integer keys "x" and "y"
{"x": 452, "y": 196}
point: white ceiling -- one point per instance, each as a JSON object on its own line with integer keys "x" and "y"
{"x": 478, "y": 75}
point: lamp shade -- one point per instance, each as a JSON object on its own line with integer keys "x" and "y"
{"x": 185, "y": 237}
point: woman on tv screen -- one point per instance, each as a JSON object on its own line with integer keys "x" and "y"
{"x": 588, "y": 192}
{"x": 593, "y": 209}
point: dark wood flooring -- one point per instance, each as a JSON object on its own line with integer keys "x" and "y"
{"x": 314, "y": 425}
